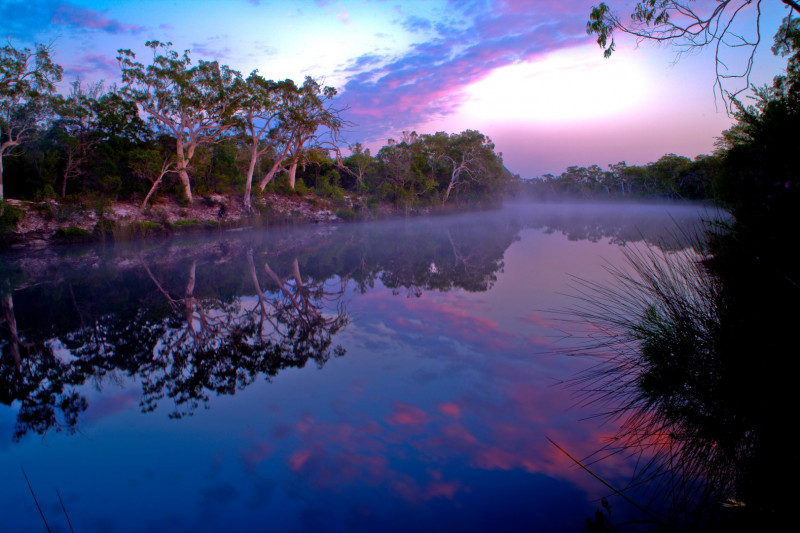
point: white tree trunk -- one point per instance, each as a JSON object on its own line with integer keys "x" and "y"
{"x": 248, "y": 182}
{"x": 292, "y": 174}
{"x": 182, "y": 173}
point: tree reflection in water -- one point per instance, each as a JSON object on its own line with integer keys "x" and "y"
{"x": 180, "y": 345}
{"x": 192, "y": 322}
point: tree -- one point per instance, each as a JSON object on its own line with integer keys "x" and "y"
{"x": 358, "y": 164}
{"x": 723, "y": 25}
{"x": 193, "y": 104}
{"x": 760, "y": 164}
{"x": 311, "y": 123}
{"x": 263, "y": 124}
{"x": 398, "y": 172}
{"x": 77, "y": 117}
{"x": 469, "y": 157}
{"x": 27, "y": 80}
{"x": 152, "y": 165}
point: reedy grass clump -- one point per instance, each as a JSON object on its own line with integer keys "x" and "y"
{"x": 669, "y": 374}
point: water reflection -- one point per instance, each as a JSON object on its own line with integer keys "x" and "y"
{"x": 213, "y": 317}
{"x": 435, "y": 416}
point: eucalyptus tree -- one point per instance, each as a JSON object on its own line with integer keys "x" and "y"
{"x": 311, "y": 122}
{"x": 469, "y": 157}
{"x": 396, "y": 160}
{"x": 194, "y": 104}
{"x": 27, "y": 81}
{"x": 262, "y": 121}
{"x": 76, "y": 123}
{"x": 358, "y": 164}
{"x": 152, "y": 165}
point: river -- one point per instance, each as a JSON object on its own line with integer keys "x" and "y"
{"x": 387, "y": 376}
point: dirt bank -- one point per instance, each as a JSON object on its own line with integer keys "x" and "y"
{"x": 51, "y": 221}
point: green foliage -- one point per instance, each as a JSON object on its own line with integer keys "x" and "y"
{"x": 346, "y": 214}
{"x": 192, "y": 224}
{"x": 9, "y": 216}
{"x": 281, "y": 186}
{"x": 46, "y": 193}
{"x": 73, "y": 234}
{"x": 139, "y": 229}
{"x": 327, "y": 186}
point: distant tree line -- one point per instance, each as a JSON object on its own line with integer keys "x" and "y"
{"x": 177, "y": 128}
{"x": 672, "y": 176}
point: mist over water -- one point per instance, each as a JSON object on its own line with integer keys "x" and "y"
{"x": 381, "y": 376}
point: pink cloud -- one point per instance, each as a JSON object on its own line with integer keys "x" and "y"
{"x": 78, "y": 17}
{"x": 298, "y": 459}
{"x": 407, "y": 415}
{"x": 440, "y": 489}
{"x": 537, "y": 319}
{"x": 450, "y": 409}
{"x": 458, "y": 433}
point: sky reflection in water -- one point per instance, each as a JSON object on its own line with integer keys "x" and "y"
{"x": 436, "y": 415}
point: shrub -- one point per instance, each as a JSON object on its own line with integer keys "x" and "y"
{"x": 9, "y": 217}
{"x": 346, "y": 214}
{"x": 72, "y": 234}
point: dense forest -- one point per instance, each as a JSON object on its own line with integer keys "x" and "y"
{"x": 173, "y": 129}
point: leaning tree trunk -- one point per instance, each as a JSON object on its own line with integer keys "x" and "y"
{"x": 165, "y": 168}
{"x": 269, "y": 175}
{"x": 450, "y": 187}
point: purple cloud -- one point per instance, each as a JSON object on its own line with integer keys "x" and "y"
{"x": 77, "y": 17}
{"x": 209, "y": 51}
{"x": 93, "y": 67}
{"x": 385, "y": 96}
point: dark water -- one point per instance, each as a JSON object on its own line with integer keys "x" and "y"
{"x": 375, "y": 377}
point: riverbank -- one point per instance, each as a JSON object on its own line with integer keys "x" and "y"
{"x": 38, "y": 224}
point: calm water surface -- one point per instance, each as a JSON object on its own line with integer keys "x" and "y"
{"x": 371, "y": 377}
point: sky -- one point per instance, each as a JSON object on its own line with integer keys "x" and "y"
{"x": 525, "y": 73}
